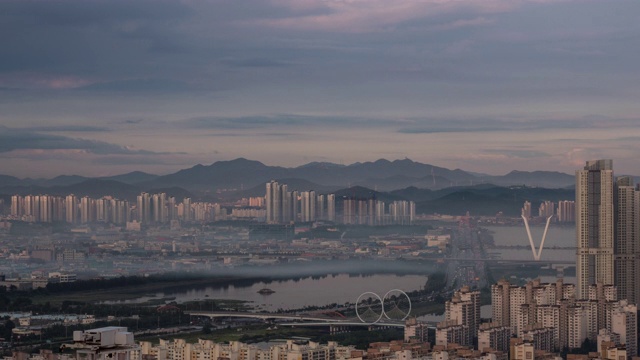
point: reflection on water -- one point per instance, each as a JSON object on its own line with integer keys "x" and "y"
{"x": 557, "y": 236}
{"x": 294, "y": 294}
{"x": 517, "y": 235}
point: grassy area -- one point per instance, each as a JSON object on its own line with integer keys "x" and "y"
{"x": 420, "y": 309}
{"x": 249, "y": 334}
{"x": 120, "y": 293}
{"x": 218, "y": 305}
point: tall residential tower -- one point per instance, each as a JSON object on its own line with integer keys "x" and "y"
{"x": 594, "y": 226}
{"x": 627, "y": 240}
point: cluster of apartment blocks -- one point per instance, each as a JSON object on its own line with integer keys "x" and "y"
{"x": 284, "y": 207}
{"x": 279, "y": 206}
{"x": 179, "y": 349}
{"x": 548, "y": 317}
{"x": 564, "y": 212}
{"x": 148, "y": 209}
{"x": 71, "y": 209}
{"x": 374, "y": 212}
{"x": 117, "y": 343}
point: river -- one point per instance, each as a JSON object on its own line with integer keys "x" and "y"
{"x": 557, "y": 236}
{"x": 295, "y": 294}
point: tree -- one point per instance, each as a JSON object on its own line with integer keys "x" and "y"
{"x": 6, "y": 330}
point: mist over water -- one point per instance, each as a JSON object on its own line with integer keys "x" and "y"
{"x": 302, "y": 283}
{"x": 557, "y": 236}
{"x": 299, "y": 293}
{"x": 303, "y": 268}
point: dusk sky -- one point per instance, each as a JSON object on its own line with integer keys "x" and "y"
{"x": 106, "y": 87}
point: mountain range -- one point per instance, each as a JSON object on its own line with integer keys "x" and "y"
{"x": 240, "y": 174}
{"x": 434, "y": 189}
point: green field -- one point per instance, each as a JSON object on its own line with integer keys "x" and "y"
{"x": 249, "y": 333}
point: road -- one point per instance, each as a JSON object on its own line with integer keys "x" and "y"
{"x": 466, "y": 265}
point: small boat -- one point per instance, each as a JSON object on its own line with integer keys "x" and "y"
{"x": 265, "y": 291}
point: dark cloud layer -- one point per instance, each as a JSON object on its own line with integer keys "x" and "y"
{"x": 332, "y": 79}
{"x": 67, "y": 128}
{"x": 17, "y": 139}
{"x": 448, "y": 125}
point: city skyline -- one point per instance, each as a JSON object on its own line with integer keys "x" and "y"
{"x": 97, "y": 88}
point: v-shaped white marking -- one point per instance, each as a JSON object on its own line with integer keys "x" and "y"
{"x": 536, "y": 252}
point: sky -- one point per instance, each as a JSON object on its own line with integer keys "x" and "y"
{"x": 99, "y": 88}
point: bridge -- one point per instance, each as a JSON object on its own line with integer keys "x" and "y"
{"x": 346, "y": 323}
{"x": 335, "y": 326}
{"x": 539, "y": 262}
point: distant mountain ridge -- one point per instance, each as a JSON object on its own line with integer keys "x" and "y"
{"x": 383, "y": 175}
{"x": 549, "y": 179}
{"x": 94, "y": 188}
{"x": 241, "y": 174}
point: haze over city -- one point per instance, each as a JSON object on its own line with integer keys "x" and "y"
{"x": 101, "y": 88}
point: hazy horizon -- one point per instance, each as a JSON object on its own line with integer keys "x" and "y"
{"x": 100, "y": 88}
{"x": 267, "y": 164}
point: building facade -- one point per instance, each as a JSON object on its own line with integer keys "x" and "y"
{"x": 594, "y": 225}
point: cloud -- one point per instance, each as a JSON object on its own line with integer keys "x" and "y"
{"x": 27, "y": 140}
{"x": 518, "y": 153}
{"x": 379, "y": 15}
{"x": 29, "y": 80}
{"x": 151, "y": 85}
{"x": 282, "y": 120}
{"x": 335, "y": 78}
{"x": 116, "y": 160}
{"x": 66, "y": 128}
{"x": 256, "y": 62}
{"x": 579, "y": 156}
{"x": 452, "y": 125}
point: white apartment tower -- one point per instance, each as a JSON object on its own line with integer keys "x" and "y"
{"x": 594, "y": 225}
{"x": 627, "y": 240}
{"x": 493, "y": 336}
{"x": 526, "y": 210}
{"x": 464, "y": 309}
{"x": 624, "y": 323}
{"x": 566, "y": 211}
{"x": 331, "y": 207}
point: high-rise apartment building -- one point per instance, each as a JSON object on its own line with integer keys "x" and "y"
{"x": 554, "y": 306}
{"x": 594, "y": 225}
{"x": 624, "y": 323}
{"x": 284, "y": 206}
{"x": 71, "y": 209}
{"x": 186, "y": 210}
{"x": 87, "y": 210}
{"x": 278, "y": 203}
{"x": 331, "y": 207}
{"x": 321, "y": 207}
{"x": 627, "y": 240}
{"x": 144, "y": 208}
{"x": 566, "y": 212}
{"x": 464, "y": 309}
{"x": 546, "y": 209}
{"x": 607, "y": 231}
{"x": 493, "y": 336}
{"x": 526, "y": 210}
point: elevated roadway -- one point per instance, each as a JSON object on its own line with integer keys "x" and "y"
{"x": 300, "y": 320}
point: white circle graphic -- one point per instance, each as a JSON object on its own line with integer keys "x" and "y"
{"x": 393, "y": 307}
{"x": 368, "y": 308}
{"x": 401, "y": 305}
